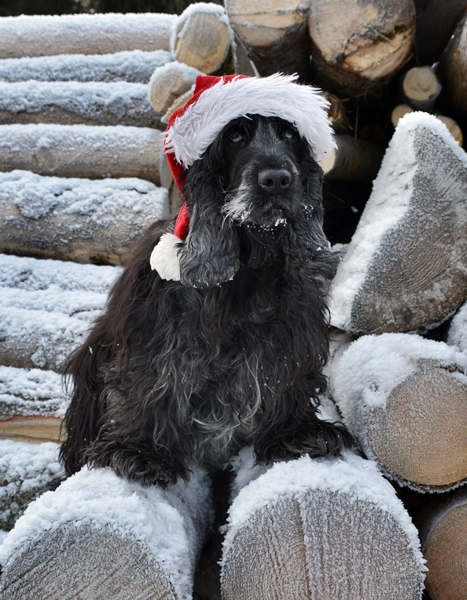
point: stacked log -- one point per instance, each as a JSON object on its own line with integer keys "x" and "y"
{"x": 453, "y": 69}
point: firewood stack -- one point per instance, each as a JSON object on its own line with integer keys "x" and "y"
{"x": 83, "y": 102}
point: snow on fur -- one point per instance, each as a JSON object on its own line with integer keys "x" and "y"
{"x": 168, "y": 523}
{"x": 134, "y": 66}
{"x": 355, "y": 477}
{"x": 385, "y": 209}
{"x": 273, "y": 96}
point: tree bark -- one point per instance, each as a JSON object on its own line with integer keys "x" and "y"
{"x": 83, "y": 34}
{"x": 358, "y": 46}
{"x": 408, "y": 410}
{"x": 82, "y": 151}
{"x": 76, "y": 219}
{"x": 273, "y": 33}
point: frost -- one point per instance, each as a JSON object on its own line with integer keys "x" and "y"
{"x": 133, "y": 67}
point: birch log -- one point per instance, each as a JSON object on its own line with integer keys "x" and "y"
{"x": 310, "y": 529}
{"x": 133, "y": 67}
{"x": 273, "y": 33}
{"x": 453, "y": 69}
{"x": 358, "y": 46}
{"x": 201, "y": 37}
{"x": 443, "y": 531}
{"x": 87, "y": 151}
{"x": 73, "y": 102}
{"x": 76, "y": 219}
{"x": 405, "y": 268}
{"x": 26, "y": 472}
{"x": 405, "y": 399}
{"x": 83, "y": 34}
{"x": 98, "y": 536}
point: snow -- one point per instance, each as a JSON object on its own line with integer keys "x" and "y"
{"x": 388, "y": 204}
{"x": 372, "y": 366}
{"x": 355, "y": 477}
{"x": 32, "y": 392}
{"x": 168, "y": 523}
{"x": 133, "y": 67}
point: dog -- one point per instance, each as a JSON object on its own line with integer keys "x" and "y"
{"x": 229, "y": 352}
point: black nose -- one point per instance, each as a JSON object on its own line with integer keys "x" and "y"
{"x": 274, "y": 181}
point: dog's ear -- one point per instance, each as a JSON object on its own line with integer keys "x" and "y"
{"x": 210, "y": 254}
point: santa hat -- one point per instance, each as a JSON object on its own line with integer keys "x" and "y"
{"x": 215, "y": 102}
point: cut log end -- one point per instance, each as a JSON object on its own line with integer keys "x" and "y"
{"x": 32, "y": 429}
{"x": 421, "y": 88}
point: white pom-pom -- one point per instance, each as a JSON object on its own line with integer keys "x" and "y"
{"x": 164, "y": 257}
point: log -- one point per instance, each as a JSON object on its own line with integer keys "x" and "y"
{"x": 83, "y": 34}
{"x": 405, "y": 266}
{"x": 273, "y": 33}
{"x": 453, "y": 128}
{"x": 26, "y": 472}
{"x": 337, "y": 114}
{"x": 398, "y": 112}
{"x": 73, "y": 102}
{"x": 168, "y": 83}
{"x": 357, "y": 47}
{"x": 453, "y": 70}
{"x": 98, "y": 536}
{"x": 421, "y": 88}
{"x": 309, "y": 529}
{"x": 405, "y": 400}
{"x": 443, "y": 526}
{"x": 86, "y": 151}
{"x": 76, "y": 219}
{"x": 133, "y": 66}
{"x": 436, "y": 21}
{"x": 352, "y": 160}
{"x": 201, "y": 37}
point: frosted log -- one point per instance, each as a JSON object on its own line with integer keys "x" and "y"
{"x": 133, "y": 66}
{"x": 405, "y": 399}
{"x": 421, "y": 88}
{"x": 26, "y": 472}
{"x": 357, "y": 47}
{"x": 170, "y": 82}
{"x": 352, "y": 160}
{"x": 311, "y": 528}
{"x": 99, "y": 536}
{"x": 83, "y": 34}
{"x": 86, "y": 151}
{"x": 405, "y": 268}
{"x": 73, "y": 102}
{"x": 76, "y": 219}
{"x": 443, "y": 532}
{"x": 274, "y": 34}
{"x": 453, "y": 69}
{"x": 201, "y": 37}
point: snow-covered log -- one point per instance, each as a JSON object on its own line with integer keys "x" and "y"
{"x": 405, "y": 268}
{"x": 82, "y": 150}
{"x": 319, "y": 529}
{"x": 421, "y": 88}
{"x": 274, "y": 34}
{"x": 26, "y": 471}
{"x": 357, "y": 47}
{"x": 50, "y": 35}
{"x": 46, "y": 308}
{"x": 453, "y": 69}
{"x": 168, "y": 83}
{"x": 133, "y": 66}
{"x": 443, "y": 531}
{"x": 405, "y": 399}
{"x": 98, "y": 536}
{"x": 88, "y": 221}
{"x": 201, "y": 37}
{"x": 352, "y": 160}
{"x": 74, "y": 102}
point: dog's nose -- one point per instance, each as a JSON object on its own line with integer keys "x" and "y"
{"x": 274, "y": 181}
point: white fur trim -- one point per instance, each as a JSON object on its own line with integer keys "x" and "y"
{"x": 164, "y": 257}
{"x": 273, "y": 96}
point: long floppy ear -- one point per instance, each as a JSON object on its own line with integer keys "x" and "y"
{"x": 210, "y": 254}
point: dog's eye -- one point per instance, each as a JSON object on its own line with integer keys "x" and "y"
{"x": 236, "y": 137}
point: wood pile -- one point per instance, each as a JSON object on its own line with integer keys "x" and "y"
{"x": 83, "y": 101}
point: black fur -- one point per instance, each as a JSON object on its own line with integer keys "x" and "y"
{"x": 231, "y": 355}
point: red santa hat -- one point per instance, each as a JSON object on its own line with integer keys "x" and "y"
{"x": 215, "y": 102}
